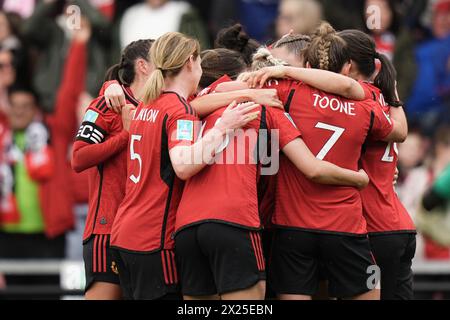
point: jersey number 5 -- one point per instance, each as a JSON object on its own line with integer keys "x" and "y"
{"x": 135, "y": 156}
{"x": 337, "y": 133}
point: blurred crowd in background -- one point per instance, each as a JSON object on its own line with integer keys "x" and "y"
{"x": 52, "y": 64}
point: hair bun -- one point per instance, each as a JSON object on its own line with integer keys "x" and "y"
{"x": 324, "y": 30}
{"x": 233, "y": 38}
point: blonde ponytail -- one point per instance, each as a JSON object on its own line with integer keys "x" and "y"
{"x": 153, "y": 87}
{"x": 169, "y": 54}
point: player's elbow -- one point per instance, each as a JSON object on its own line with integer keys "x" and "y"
{"x": 398, "y": 136}
{"x": 76, "y": 166}
{"x": 314, "y": 174}
{"x": 351, "y": 91}
{"x": 76, "y": 163}
{"x": 183, "y": 172}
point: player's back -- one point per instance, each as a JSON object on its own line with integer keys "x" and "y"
{"x": 231, "y": 181}
{"x": 146, "y": 216}
{"x": 382, "y": 208}
{"x": 107, "y": 179}
{"x": 335, "y": 130}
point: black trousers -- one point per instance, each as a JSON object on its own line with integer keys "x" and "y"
{"x": 393, "y": 254}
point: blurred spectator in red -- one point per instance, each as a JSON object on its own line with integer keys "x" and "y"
{"x": 301, "y": 16}
{"x": 71, "y": 102}
{"x": 152, "y": 18}
{"x": 430, "y": 96}
{"x": 27, "y": 166}
{"x": 50, "y": 30}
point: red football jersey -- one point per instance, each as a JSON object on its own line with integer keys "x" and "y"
{"x": 106, "y": 180}
{"x": 145, "y": 220}
{"x": 382, "y": 208}
{"x": 230, "y": 184}
{"x": 267, "y": 183}
{"x": 212, "y": 87}
{"x": 335, "y": 130}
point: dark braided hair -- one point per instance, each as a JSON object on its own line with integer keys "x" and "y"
{"x": 124, "y": 72}
{"x": 327, "y": 51}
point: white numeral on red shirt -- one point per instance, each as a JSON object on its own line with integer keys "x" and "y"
{"x": 135, "y": 156}
{"x": 387, "y": 157}
{"x": 332, "y": 141}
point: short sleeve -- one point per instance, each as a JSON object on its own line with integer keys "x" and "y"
{"x": 287, "y": 130}
{"x": 182, "y": 127}
{"x": 382, "y": 125}
{"x": 213, "y": 86}
{"x": 106, "y": 85}
{"x": 368, "y": 94}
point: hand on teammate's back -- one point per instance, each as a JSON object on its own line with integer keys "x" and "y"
{"x": 127, "y": 115}
{"x": 258, "y": 79}
{"x": 364, "y": 179}
{"x": 115, "y": 97}
{"x": 238, "y": 115}
{"x": 267, "y": 97}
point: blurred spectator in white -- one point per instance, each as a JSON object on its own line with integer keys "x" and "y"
{"x": 301, "y": 16}
{"x": 430, "y": 95}
{"x": 50, "y": 29}
{"x": 420, "y": 179}
{"x": 23, "y": 8}
{"x": 413, "y": 152}
{"x": 152, "y": 18}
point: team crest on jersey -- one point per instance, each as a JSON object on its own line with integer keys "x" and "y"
{"x": 290, "y": 119}
{"x": 185, "y": 130}
{"x": 91, "y": 116}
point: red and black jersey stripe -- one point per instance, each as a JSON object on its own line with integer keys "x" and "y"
{"x": 99, "y": 263}
{"x": 169, "y": 267}
{"x": 187, "y": 106}
{"x": 129, "y": 96}
{"x": 101, "y": 105}
{"x": 255, "y": 238}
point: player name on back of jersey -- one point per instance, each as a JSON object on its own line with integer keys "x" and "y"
{"x": 334, "y": 104}
{"x": 147, "y": 115}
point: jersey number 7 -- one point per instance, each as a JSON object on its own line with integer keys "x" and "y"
{"x": 337, "y": 133}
